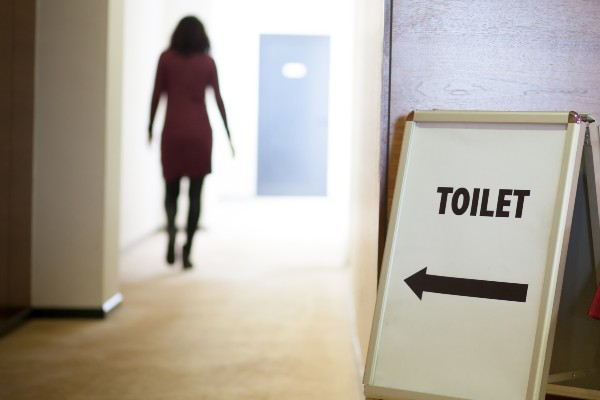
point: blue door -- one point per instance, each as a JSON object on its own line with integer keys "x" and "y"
{"x": 293, "y": 115}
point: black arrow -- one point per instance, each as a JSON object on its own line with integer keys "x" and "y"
{"x": 421, "y": 282}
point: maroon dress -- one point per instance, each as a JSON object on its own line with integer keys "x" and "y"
{"x": 186, "y": 146}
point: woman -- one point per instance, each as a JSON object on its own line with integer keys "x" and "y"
{"x": 185, "y": 71}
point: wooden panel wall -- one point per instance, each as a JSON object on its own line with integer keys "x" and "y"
{"x": 513, "y": 55}
{"x": 5, "y": 117}
{"x": 17, "y": 49}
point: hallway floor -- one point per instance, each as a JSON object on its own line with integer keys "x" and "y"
{"x": 264, "y": 314}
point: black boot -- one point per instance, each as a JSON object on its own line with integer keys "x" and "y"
{"x": 171, "y": 248}
{"x": 186, "y": 256}
{"x": 172, "y": 192}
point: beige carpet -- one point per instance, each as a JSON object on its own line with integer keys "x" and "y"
{"x": 264, "y": 314}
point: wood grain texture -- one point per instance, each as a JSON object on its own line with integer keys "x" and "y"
{"x": 21, "y": 160}
{"x": 6, "y": 39}
{"x": 17, "y": 47}
{"x": 509, "y": 55}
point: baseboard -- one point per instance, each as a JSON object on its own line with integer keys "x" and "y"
{"x": 68, "y": 313}
{"x": 15, "y": 321}
{"x": 63, "y": 312}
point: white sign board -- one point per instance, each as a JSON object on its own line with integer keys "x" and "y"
{"x": 474, "y": 252}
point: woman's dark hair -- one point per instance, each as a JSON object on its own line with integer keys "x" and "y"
{"x": 189, "y": 37}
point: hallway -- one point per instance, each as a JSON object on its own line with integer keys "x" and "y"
{"x": 264, "y": 314}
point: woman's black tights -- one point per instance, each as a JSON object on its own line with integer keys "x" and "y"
{"x": 172, "y": 194}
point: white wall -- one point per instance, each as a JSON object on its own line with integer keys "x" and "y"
{"x": 234, "y": 27}
{"x": 141, "y": 180}
{"x": 76, "y": 153}
{"x": 112, "y": 149}
{"x": 365, "y": 163}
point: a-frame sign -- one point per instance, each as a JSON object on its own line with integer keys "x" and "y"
{"x": 477, "y": 255}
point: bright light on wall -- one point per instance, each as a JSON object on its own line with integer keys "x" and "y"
{"x": 294, "y": 70}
